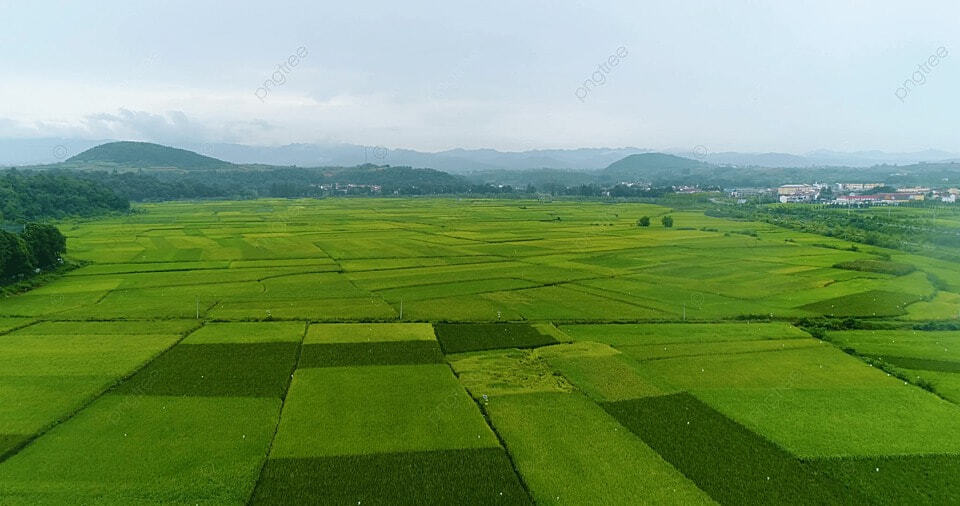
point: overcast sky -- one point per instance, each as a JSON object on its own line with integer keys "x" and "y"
{"x": 728, "y": 75}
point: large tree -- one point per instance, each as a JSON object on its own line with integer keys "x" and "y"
{"x": 15, "y": 257}
{"x": 45, "y": 242}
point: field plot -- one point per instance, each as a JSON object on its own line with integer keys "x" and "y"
{"x": 928, "y": 357}
{"x": 48, "y": 370}
{"x": 207, "y": 409}
{"x": 146, "y": 449}
{"x": 571, "y": 452}
{"x": 457, "y": 351}
{"x": 449, "y": 260}
{"x": 413, "y": 436}
{"x": 457, "y": 338}
{"x": 332, "y": 345}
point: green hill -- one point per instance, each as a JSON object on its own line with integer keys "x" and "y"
{"x": 651, "y": 167}
{"x": 146, "y": 155}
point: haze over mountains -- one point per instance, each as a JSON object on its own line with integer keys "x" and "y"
{"x": 15, "y": 152}
{"x": 656, "y": 169}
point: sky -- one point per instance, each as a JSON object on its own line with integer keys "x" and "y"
{"x": 722, "y": 75}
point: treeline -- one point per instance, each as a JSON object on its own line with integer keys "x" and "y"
{"x": 914, "y": 232}
{"x": 37, "y": 195}
{"x": 288, "y": 182}
{"x": 38, "y": 247}
{"x": 296, "y": 182}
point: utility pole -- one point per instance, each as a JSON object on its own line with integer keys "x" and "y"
{"x": 401, "y": 308}
{"x": 198, "y": 307}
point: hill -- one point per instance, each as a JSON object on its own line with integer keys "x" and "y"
{"x": 651, "y": 167}
{"x": 146, "y": 155}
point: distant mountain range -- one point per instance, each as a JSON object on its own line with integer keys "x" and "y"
{"x": 657, "y": 169}
{"x": 463, "y": 161}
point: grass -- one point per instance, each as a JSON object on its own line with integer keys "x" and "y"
{"x": 854, "y": 421}
{"x": 870, "y": 303}
{"x": 661, "y": 351}
{"x": 110, "y": 328}
{"x": 458, "y": 338}
{"x": 374, "y": 410}
{"x": 47, "y": 372}
{"x": 365, "y": 332}
{"x": 217, "y": 370}
{"x": 602, "y": 373}
{"x": 10, "y": 441}
{"x": 475, "y": 476}
{"x": 880, "y": 266}
{"x": 371, "y": 353}
{"x": 932, "y": 345}
{"x": 923, "y": 364}
{"x": 8, "y": 324}
{"x": 131, "y": 449}
{"x": 915, "y": 479}
{"x": 701, "y": 442}
{"x": 31, "y": 403}
{"x": 814, "y": 367}
{"x": 392, "y": 409}
{"x": 571, "y": 452}
{"x": 674, "y": 333}
{"x": 945, "y": 306}
{"x": 247, "y": 333}
{"x": 504, "y": 372}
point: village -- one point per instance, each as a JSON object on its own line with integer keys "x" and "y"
{"x": 862, "y": 194}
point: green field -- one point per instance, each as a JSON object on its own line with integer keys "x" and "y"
{"x": 457, "y": 351}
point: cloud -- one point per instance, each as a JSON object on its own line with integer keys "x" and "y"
{"x": 171, "y": 127}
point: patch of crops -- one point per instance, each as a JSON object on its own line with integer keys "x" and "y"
{"x": 864, "y": 419}
{"x": 922, "y": 364}
{"x": 675, "y": 333}
{"x": 247, "y": 332}
{"x": 374, "y": 353}
{"x": 146, "y": 450}
{"x": 510, "y": 371}
{"x": 31, "y": 403}
{"x": 368, "y": 332}
{"x": 112, "y": 328}
{"x": 8, "y": 324}
{"x": 477, "y": 476}
{"x": 8, "y": 442}
{"x": 881, "y": 266}
{"x": 662, "y": 351}
{"x": 227, "y": 370}
{"x": 599, "y": 371}
{"x": 933, "y": 345}
{"x": 566, "y": 446}
{"x": 458, "y": 338}
{"x": 378, "y": 409}
{"x": 869, "y": 303}
{"x": 732, "y": 464}
{"x": 912, "y": 479}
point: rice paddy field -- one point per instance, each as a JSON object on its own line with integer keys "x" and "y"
{"x": 446, "y": 351}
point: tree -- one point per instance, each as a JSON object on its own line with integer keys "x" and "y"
{"x": 15, "y": 258}
{"x": 643, "y": 221}
{"x": 667, "y": 221}
{"x": 46, "y": 243}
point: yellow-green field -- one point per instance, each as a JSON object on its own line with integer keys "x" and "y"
{"x": 391, "y": 351}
